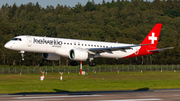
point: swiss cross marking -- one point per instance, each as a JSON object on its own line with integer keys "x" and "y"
{"x": 152, "y": 38}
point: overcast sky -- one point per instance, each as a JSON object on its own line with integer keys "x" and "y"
{"x": 44, "y": 3}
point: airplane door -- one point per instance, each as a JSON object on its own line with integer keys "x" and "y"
{"x": 29, "y": 41}
{"x": 77, "y": 45}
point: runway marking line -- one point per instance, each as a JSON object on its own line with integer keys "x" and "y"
{"x": 40, "y": 97}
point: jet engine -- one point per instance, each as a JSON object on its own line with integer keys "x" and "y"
{"x": 50, "y": 56}
{"x": 78, "y": 55}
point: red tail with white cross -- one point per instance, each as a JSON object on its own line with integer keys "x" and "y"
{"x": 149, "y": 43}
{"x": 152, "y": 39}
{"x": 153, "y": 36}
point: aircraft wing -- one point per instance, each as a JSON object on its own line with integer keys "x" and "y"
{"x": 110, "y": 49}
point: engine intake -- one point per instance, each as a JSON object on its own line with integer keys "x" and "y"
{"x": 78, "y": 55}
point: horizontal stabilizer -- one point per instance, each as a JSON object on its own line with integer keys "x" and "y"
{"x": 160, "y": 49}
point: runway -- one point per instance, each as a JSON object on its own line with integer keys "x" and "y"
{"x": 134, "y": 95}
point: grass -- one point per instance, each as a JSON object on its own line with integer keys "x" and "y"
{"x": 30, "y": 83}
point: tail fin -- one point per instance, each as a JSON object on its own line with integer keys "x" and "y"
{"x": 153, "y": 36}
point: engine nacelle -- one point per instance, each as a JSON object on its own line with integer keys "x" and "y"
{"x": 78, "y": 55}
{"x": 50, "y": 56}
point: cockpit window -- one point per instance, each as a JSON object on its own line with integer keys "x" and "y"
{"x": 18, "y": 39}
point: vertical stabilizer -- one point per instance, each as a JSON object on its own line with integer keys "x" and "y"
{"x": 153, "y": 36}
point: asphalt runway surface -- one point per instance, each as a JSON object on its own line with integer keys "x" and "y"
{"x": 130, "y": 95}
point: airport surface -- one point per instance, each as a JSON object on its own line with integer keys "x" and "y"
{"x": 131, "y": 95}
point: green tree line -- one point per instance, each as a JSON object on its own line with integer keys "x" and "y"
{"x": 120, "y": 21}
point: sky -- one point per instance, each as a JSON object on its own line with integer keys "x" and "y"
{"x": 44, "y": 3}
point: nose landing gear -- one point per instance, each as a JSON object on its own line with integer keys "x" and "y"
{"x": 22, "y": 55}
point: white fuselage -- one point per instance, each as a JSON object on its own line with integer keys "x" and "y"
{"x": 62, "y": 46}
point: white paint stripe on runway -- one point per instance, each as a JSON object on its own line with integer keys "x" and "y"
{"x": 133, "y": 100}
{"x": 43, "y": 97}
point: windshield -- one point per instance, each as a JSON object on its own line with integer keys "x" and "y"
{"x": 19, "y": 39}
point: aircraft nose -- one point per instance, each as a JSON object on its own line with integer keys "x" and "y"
{"x": 8, "y": 45}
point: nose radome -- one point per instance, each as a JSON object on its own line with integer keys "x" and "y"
{"x": 7, "y": 45}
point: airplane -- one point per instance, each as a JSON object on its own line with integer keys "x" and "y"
{"x": 81, "y": 50}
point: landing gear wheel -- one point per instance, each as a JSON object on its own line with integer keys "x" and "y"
{"x": 92, "y": 63}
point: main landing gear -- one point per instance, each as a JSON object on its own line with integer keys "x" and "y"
{"x": 91, "y": 62}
